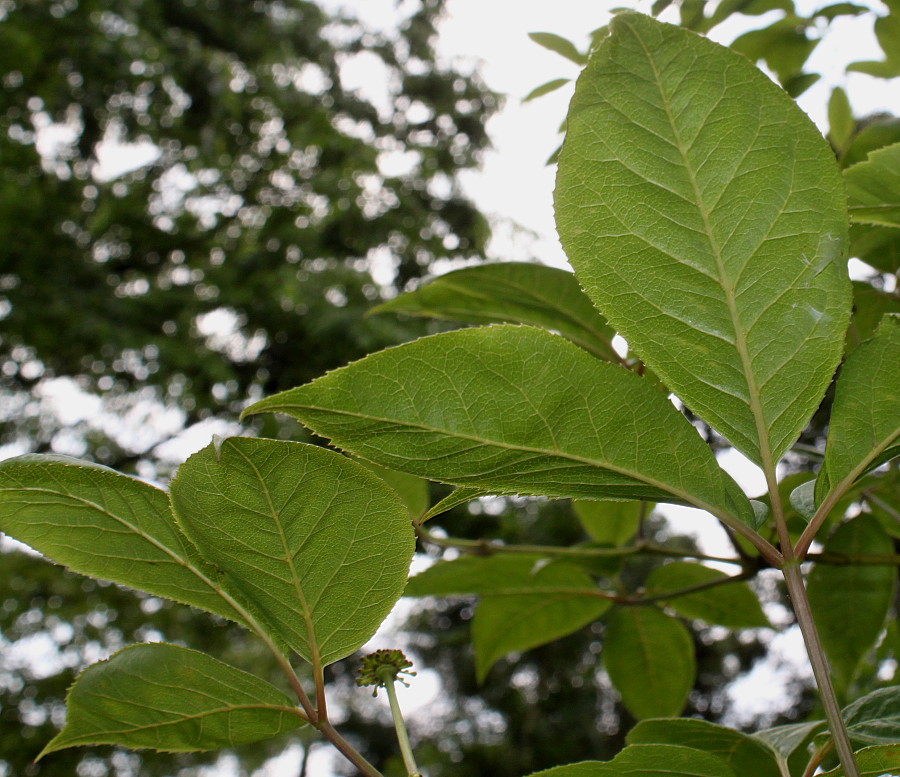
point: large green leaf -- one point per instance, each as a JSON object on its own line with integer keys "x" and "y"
{"x": 732, "y": 605}
{"x": 317, "y": 542}
{"x": 850, "y": 602}
{"x": 748, "y": 757}
{"x": 514, "y": 410}
{"x": 650, "y": 659}
{"x": 106, "y": 525}
{"x": 171, "y": 699}
{"x": 879, "y": 761}
{"x": 611, "y": 523}
{"x": 515, "y": 293}
{"x": 705, "y": 216}
{"x": 864, "y": 429}
{"x": 873, "y": 188}
{"x": 560, "y": 604}
{"x": 648, "y": 761}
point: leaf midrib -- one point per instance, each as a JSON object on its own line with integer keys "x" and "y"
{"x": 727, "y": 288}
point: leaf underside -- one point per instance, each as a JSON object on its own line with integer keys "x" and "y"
{"x": 704, "y": 215}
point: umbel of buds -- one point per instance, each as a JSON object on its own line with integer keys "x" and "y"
{"x": 383, "y": 667}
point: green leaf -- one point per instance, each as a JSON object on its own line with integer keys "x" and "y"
{"x": 882, "y": 761}
{"x": 554, "y": 600}
{"x": 555, "y": 43}
{"x": 171, "y": 699}
{"x": 869, "y": 307}
{"x": 790, "y": 742}
{"x": 514, "y": 293}
{"x": 732, "y": 605}
{"x": 317, "y": 542}
{"x": 873, "y": 188}
{"x": 850, "y": 602}
{"x": 109, "y": 526}
{"x": 803, "y": 500}
{"x": 784, "y": 46}
{"x": 611, "y": 523}
{"x": 875, "y": 718}
{"x": 412, "y": 491}
{"x": 514, "y": 410}
{"x": 875, "y": 68}
{"x": 831, "y": 12}
{"x": 648, "y": 761}
{"x": 650, "y": 659}
{"x": 746, "y": 756}
{"x": 459, "y": 496}
{"x": 727, "y": 279}
{"x": 550, "y": 86}
{"x": 864, "y": 429}
{"x": 841, "y": 124}
{"x": 876, "y": 246}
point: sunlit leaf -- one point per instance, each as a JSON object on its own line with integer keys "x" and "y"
{"x": 732, "y": 605}
{"x": 171, "y": 699}
{"x": 747, "y": 756}
{"x": 110, "y": 526}
{"x": 650, "y": 660}
{"x": 514, "y": 410}
{"x": 727, "y": 279}
{"x": 515, "y": 293}
{"x": 648, "y": 761}
{"x": 864, "y": 430}
{"x": 316, "y": 541}
{"x": 850, "y": 602}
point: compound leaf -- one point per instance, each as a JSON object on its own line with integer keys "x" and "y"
{"x": 171, "y": 699}
{"x": 317, "y": 542}
{"x": 650, "y": 659}
{"x": 110, "y": 526}
{"x": 728, "y": 278}
{"x": 514, "y": 410}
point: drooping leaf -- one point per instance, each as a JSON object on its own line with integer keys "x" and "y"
{"x": 559, "y": 45}
{"x": 727, "y": 279}
{"x": 650, "y": 659}
{"x": 514, "y": 293}
{"x": 648, "y": 761}
{"x": 873, "y": 188}
{"x": 514, "y": 410}
{"x": 507, "y": 622}
{"x": 550, "y": 86}
{"x": 316, "y": 541}
{"x": 611, "y": 523}
{"x": 850, "y": 602}
{"x": 732, "y": 605}
{"x": 864, "y": 430}
{"x": 748, "y": 757}
{"x": 879, "y": 761}
{"x": 110, "y": 526}
{"x": 171, "y": 699}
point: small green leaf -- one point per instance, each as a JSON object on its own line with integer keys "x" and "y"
{"x": 560, "y": 604}
{"x": 880, "y": 761}
{"x": 514, "y": 410}
{"x": 555, "y": 43}
{"x": 611, "y": 523}
{"x": 850, "y": 603}
{"x": 317, "y": 542}
{"x": 841, "y": 124}
{"x": 513, "y": 293}
{"x": 790, "y": 742}
{"x": 875, "y": 718}
{"x": 748, "y": 757}
{"x": 650, "y": 659}
{"x": 648, "y": 761}
{"x": 728, "y": 280}
{"x": 732, "y": 605}
{"x": 873, "y": 188}
{"x": 550, "y": 86}
{"x": 784, "y": 46}
{"x": 106, "y": 525}
{"x": 459, "y": 496}
{"x": 864, "y": 429}
{"x": 171, "y": 699}
{"x": 832, "y": 12}
{"x": 803, "y": 499}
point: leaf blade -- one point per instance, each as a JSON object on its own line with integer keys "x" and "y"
{"x": 317, "y": 542}
{"x": 873, "y": 188}
{"x": 149, "y": 696}
{"x": 753, "y": 317}
{"x": 647, "y": 761}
